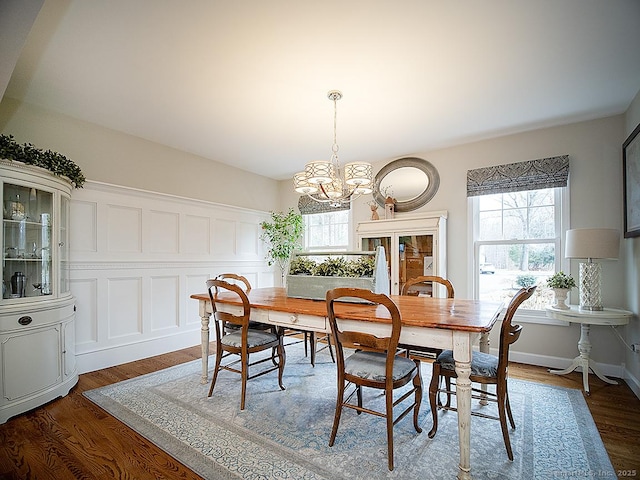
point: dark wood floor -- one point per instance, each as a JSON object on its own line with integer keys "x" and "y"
{"x": 71, "y": 438}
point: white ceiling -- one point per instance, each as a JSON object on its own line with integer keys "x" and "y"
{"x": 246, "y": 82}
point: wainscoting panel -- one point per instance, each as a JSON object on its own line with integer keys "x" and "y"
{"x": 124, "y": 229}
{"x": 84, "y": 235}
{"x": 198, "y": 241}
{"x": 165, "y": 302}
{"x": 164, "y": 232}
{"x": 137, "y": 256}
{"x": 124, "y": 307}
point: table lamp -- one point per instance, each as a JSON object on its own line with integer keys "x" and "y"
{"x": 590, "y": 244}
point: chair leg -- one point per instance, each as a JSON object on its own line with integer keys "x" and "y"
{"x": 312, "y": 344}
{"x": 503, "y": 421}
{"x": 282, "y": 356}
{"x": 215, "y": 370}
{"x": 389, "y": 410}
{"x": 245, "y": 374}
{"x": 433, "y": 395}
{"x": 447, "y": 382}
{"x": 359, "y": 395}
{"x": 417, "y": 384}
{"x": 333, "y": 359}
{"x": 339, "y": 402}
{"x": 509, "y": 414}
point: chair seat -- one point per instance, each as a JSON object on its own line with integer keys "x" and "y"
{"x": 372, "y": 365}
{"x": 255, "y": 338}
{"x": 482, "y": 364}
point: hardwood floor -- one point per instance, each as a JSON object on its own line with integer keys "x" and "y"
{"x": 71, "y": 438}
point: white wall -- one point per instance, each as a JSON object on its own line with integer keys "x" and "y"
{"x": 595, "y": 178}
{"x": 112, "y": 157}
{"x": 631, "y": 247}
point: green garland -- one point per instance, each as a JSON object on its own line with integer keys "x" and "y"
{"x": 55, "y": 162}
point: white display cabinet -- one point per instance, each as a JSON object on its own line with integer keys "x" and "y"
{"x": 37, "y": 310}
{"x": 414, "y": 246}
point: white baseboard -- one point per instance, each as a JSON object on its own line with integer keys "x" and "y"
{"x": 558, "y": 363}
{"x": 633, "y": 382}
{"x": 108, "y": 357}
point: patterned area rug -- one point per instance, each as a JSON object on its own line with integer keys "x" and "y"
{"x": 285, "y": 434}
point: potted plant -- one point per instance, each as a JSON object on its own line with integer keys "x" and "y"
{"x": 283, "y": 235}
{"x": 55, "y": 162}
{"x": 561, "y": 283}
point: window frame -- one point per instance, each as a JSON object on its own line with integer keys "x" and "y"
{"x": 325, "y": 248}
{"x": 561, "y": 199}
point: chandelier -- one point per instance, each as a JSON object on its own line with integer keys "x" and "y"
{"x": 324, "y": 181}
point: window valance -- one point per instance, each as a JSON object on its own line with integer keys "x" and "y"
{"x": 514, "y": 177}
{"x": 308, "y": 206}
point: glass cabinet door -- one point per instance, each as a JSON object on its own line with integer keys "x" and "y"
{"x": 370, "y": 244}
{"x": 415, "y": 258}
{"x": 63, "y": 246}
{"x": 26, "y": 242}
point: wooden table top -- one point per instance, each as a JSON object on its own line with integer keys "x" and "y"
{"x": 426, "y": 312}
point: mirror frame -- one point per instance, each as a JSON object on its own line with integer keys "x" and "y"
{"x": 427, "y": 194}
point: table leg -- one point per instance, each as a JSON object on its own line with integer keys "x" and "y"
{"x": 584, "y": 361}
{"x": 462, "y": 357}
{"x": 204, "y": 341}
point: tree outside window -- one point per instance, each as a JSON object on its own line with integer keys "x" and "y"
{"x": 517, "y": 244}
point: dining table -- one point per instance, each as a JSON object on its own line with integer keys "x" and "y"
{"x": 443, "y": 323}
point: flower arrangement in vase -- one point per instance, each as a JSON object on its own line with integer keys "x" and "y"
{"x": 561, "y": 283}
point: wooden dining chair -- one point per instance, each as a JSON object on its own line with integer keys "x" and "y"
{"x": 486, "y": 369}
{"x": 241, "y": 342}
{"x": 243, "y": 283}
{"x": 414, "y": 286}
{"x": 374, "y": 363}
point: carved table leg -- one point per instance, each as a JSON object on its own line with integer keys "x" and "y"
{"x": 462, "y": 357}
{"x": 204, "y": 340}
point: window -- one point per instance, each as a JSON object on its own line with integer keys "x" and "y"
{"x": 518, "y": 244}
{"x": 519, "y": 213}
{"x": 327, "y": 231}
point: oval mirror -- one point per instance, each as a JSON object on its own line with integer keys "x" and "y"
{"x": 411, "y": 181}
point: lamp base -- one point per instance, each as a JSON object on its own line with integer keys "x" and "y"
{"x": 590, "y": 298}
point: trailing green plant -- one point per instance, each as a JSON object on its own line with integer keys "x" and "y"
{"x": 561, "y": 280}
{"x": 283, "y": 234}
{"x": 55, "y": 162}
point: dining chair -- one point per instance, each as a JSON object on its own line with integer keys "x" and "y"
{"x": 307, "y": 337}
{"x": 414, "y": 286}
{"x": 241, "y": 342}
{"x": 486, "y": 369}
{"x": 374, "y": 363}
{"x": 243, "y": 283}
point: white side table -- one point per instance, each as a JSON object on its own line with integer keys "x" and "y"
{"x": 608, "y": 316}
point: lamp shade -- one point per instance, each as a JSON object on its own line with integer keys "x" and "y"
{"x": 592, "y": 243}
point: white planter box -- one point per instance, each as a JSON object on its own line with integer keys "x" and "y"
{"x": 316, "y": 287}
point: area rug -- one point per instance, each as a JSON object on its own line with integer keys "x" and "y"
{"x": 285, "y": 434}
